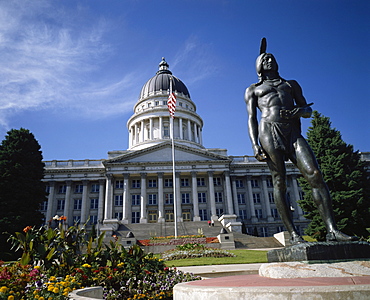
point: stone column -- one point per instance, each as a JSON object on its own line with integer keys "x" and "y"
{"x": 50, "y": 209}
{"x": 235, "y": 195}
{"x": 250, "y": 200}
{"x": 190, "y": 136}
{"x": 266, "y": 198}
{"x": 67, "y": 203}
{"x": 108, "y": 209}
{"x": 101, "y": 201}
{"x": 160, "y": 128}
{"x": 151, "y": 129}
{"x": 142, "y": 131}
{"x": 229, "y": 197}
{"x": 194, "y": 191}
{"x": 125, "y": 196}
{"x": 200, "y": 136}
{"x": 143, "y": 217}
{"x": 195, "y": 132}
{"x": 178, "y": 197}
{"x": 161, "y": 216}
{"x": 135, "y": 139}
{"x": 84, "y": 206}
{"x": 212, "y": 195}
{"x": 180, "y": 129}
{"x": 130, "y": 137}
{"x": 296, "y": 197}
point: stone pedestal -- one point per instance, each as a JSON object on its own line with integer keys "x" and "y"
{"x": 229, "y": 222}
{"x": 321, "y": 252}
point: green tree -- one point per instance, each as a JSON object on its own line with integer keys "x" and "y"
{"x": 21, "y": 186}
{"x": 345, "y": 174}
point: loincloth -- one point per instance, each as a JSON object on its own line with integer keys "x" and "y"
{"x": 284, "y": 135}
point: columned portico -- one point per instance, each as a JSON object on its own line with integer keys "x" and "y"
{"x": 161, "y": 216}
{"x": 195, "y": 196}
{"x": 108, "y": 209}
{"x": 84, "y": 205}
{"x": 229, "y": 196}
{"x": 212, "y": 195}
{"x": 67, "y": 203}
{"x": 250, "y": 198}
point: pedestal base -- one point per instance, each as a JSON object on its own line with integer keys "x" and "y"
{"x": 321, "y": 252}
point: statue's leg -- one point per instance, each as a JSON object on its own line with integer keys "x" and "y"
{"x": 278, "y": 173}
{"x": 307, "y": 164}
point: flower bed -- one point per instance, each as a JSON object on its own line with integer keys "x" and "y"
{"x": 52, "y": 266}
{"x": 178, "y": 241}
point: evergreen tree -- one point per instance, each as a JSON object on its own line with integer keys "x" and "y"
{"x": 21, "y": 186}
{"x": 346, "y": 177}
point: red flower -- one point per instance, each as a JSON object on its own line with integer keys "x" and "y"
{"x": 146, "y": 271}
{"x": 26, "y": 229}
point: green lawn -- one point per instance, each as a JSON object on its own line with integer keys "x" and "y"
{"x": 242, "y": 257}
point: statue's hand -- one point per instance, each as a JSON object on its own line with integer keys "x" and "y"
{"x": 259, "y": 154}
{"x": 298, "y": 112}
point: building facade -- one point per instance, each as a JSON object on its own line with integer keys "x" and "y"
{"x": 137, "y": 185}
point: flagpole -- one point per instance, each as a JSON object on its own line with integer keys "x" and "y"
{"x": 173, "y": 166}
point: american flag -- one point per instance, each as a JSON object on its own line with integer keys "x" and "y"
{"x": 171, "y": 103}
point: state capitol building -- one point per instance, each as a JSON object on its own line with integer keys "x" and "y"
{"x": 136, "y": 185}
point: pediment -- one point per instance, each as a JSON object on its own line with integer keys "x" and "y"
{"x": 163, "y": 153}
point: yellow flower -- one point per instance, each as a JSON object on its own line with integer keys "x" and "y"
{"x": 37, "y": 296}
{"x": 56, "y": 290}
{"x": 37, "y": 267}
{"x": 86, "y": 266}
{"x": 41, "y": 298}
{"x": 3, "y": 289}
{"x": 11, "y": 297}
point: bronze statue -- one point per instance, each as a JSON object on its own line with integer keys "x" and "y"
{"x": 278, "y": 138}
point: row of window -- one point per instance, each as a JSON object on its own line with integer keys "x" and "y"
{"x": 153, "y": 183}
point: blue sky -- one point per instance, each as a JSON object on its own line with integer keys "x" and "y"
{"x": 71, "y": 70}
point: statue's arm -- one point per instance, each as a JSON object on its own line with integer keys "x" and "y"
{"x": 251, "y": 101}
{"x": 303, "y": 110}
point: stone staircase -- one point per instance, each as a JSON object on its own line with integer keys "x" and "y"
{"x": 147, "y": 230}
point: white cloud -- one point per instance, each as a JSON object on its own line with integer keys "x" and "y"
{"x": 48, "y": 57}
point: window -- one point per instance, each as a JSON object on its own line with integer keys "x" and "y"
{"x": 135, "y": 184}
{"x": 239, "y": 183}
{"x": 168, "y": 182}
{"x": 119, "y": 184}
{"x": 118, "y": 200}
{"x": 274, "y": 213}
{"x": 243, "y": 214}
{"x": 185, "y": 182}
{"x": 217, "y": 181}
{"x": 202, "y": 198}
{"x": 201, "y": 181}
{"x": 44, "y": 205}
{"x": 95, "y": 188}
{"x": 254, "y": 183}
{"x": 169, "y": 216}
{"x": 152, "y": 199}
{"x": 280, "y": 228}
{"x": 79, "y": 188}
{"x": 152, "y": 183}
{"x": 135, "y": 199}
{"x": 218, "y": 197}
{"x": 168, "y": 198}
{"x": 77, "y": 204}
{"x": 94, "y": 203}
{"x": 258, "y": 213}
{"x": 256, "y": 198}
{"x": 166, "y": 130}
{"x": 219, "y": 211}
{"x": 180, "y": 104}
{"x": 62, "y": 189}
{"x": 269, "y": 182}
{"x": 135, "y": 217}
{"x": 241, "y": 198}
{"x": 152, "y": 216}
{"x": 156, "y": 103}
{"x": 264, "y": 231}
{"x": 118, "y": 215}
{"x": 185, "y": 198}
{"x": 271, "y": 198}
{"x": 203, "y": 214}
{"x": 93, "y": 219}
{"x": 60, "y": 204}
{"x": 186, "y": 216}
